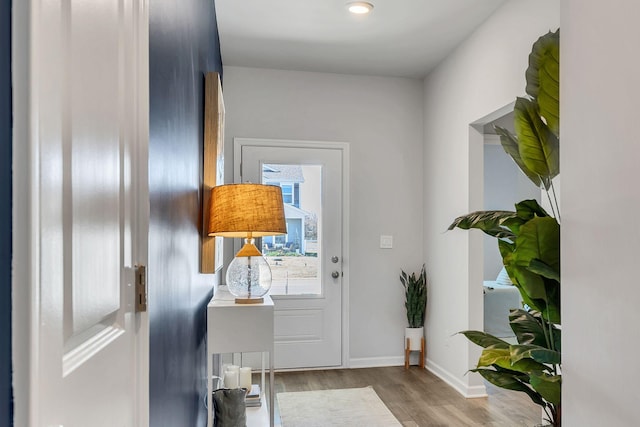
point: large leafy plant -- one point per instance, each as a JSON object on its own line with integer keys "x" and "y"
{"x": 529, "y": 243}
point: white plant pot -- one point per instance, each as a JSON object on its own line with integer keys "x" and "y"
{"x": 415, "y": 336}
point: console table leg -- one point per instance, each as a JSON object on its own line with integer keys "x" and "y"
{"x": 209, "y": 389}
{"x": 271, "y": 390}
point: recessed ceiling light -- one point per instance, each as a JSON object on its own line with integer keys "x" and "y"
{"x": 359, "y": 7}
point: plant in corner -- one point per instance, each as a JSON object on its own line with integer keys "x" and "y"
{"x": 415, "y": 303}
{"x": 529, "y": 242}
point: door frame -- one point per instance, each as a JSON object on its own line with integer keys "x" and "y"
{"x": 25, "y": 280}
{"x": 238, "y": 143}
{"x": 475, "y": 250}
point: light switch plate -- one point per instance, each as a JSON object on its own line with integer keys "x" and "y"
{"x": 386, "y": 242}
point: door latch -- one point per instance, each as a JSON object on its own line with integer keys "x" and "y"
{"x": 141, "y": 288}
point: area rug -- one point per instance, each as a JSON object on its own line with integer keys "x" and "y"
{"x": 323, "y": 408}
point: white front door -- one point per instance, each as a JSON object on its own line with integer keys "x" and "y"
{"x": 308, "y": 262}
{"x": 88, "y": 122}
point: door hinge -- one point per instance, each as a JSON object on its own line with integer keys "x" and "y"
{"x": 141, "y": 288}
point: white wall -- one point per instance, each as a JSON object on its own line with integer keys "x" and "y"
{"x": 381, "y": 118}
{"x": 600, "y": 199}
{"x": 484, "y": 74}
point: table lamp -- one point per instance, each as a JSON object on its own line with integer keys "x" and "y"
{"x": 249, "y": 211}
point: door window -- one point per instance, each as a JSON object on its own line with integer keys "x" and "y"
{"x": 295, "y": 257}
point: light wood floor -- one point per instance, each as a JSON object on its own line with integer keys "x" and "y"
{"x": 418, "y": 398}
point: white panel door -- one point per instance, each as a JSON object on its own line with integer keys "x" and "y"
{"x": 307, "y": 262}
{"x": 89, "y": 118}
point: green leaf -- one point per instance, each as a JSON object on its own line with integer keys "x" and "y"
{"x": 539, "y": 147}
{"x": 510, "y": 145}
{"x": 535, "y": 352}
{"x": 502, "y": 357}
{"x": 543, "y": 78}
{"x": 485, "y": 340}
{"x": 552, "y": 309}
{"x": 549, "y": 327}
{"x": 539, "y": 239}
{"x": 495, "y": 356}
{"x": 548, "y": 386}
{"x": 529, "y": 209}
{"x": 515, "y": 274}
{"x": 488, "y": 221}
{"x": 531, "y": 284}
{"x": 527, "y": 328}
{"x": 513, "y": 224}
{"x": 506, "y": 249}
{"x": 543, "y": 269}
{"x": 509, "y": 381}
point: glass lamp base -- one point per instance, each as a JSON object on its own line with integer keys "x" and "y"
{"x": 249, "y": 276}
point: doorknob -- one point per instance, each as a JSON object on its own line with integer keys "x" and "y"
{"x": 334, "y": 259}
{"x": 335, "y": 274}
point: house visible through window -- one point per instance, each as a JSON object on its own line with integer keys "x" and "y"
{"x": 294, "y": 257}
{"x": 287, "y": 194}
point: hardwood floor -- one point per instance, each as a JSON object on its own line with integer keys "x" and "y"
{"x": 418, "y": 398}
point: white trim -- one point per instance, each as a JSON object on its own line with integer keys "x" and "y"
{"x": 475, "y": 255}
{"x": 490, "y": 139}
{"x": 376, "y": 362}
{"x": 454, "y": 381}
{"x": 346, "y": 162}
{"x": 25, "y": 256}
{"x": 140, "y": 158}
{"x": 238, "y": 143}
{"x": 496, "y": 114}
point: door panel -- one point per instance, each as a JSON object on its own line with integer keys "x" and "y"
{"x": 308, "y": 300}
{"x": 86, "y": 111}
{"x": 299, "y": 325}
{"x": 94, "y": 229}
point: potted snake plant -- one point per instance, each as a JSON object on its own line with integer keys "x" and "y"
{"x": 415, "y": 303}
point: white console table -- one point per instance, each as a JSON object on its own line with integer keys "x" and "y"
{"x": 238, "y": 328}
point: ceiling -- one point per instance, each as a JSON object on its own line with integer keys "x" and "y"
{"x": 403, "y": 38}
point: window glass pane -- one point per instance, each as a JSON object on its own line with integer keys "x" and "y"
{"x": 295, "y": 258}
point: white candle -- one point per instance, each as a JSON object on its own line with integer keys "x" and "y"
{"x": 231, "y": 379}
{"x": 245, "y": 378}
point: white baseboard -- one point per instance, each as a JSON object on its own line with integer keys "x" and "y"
{"x": 467, "y": 391}
{"x": 462, "y": 388}
{"x": 375, "y": 362}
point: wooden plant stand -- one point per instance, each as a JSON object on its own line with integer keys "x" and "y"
{"x": 407, "y": 352}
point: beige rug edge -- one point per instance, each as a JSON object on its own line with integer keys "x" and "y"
{"x": 337, "y": 407}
